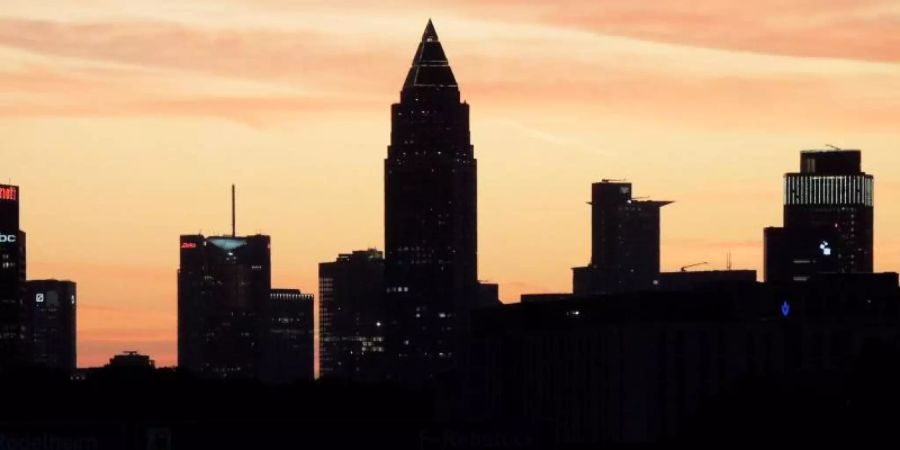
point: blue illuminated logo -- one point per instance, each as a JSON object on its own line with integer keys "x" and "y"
{"x": 785, "y": 309}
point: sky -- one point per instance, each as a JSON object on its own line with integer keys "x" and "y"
{"x": 125, "y": 123}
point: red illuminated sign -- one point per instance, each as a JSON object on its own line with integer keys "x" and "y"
{"x": 9, "y": 193}
{"x": 188, "y": 245}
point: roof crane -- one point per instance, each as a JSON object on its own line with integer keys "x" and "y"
{"x": 833, "y": 147}
{"x": 685, "y": 268}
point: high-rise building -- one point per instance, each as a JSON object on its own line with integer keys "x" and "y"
{"x": 828, "y": 219}
{"x": 288, "y": 353}
{"x": 13, "y": 314}
{"x": 351, "y": 316}
{"x": 430, "y": 219}
{"x": 52, "y": 333}
{"x": 224, "y": 284}
{"x": 624, "y": 242}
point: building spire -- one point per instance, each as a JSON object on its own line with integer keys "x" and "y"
{"x": 430, "y": 35}
{"x": 430, "y": 67}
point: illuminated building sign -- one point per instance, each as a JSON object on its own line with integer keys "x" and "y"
{"x": 228, "y": 244}
{"x": 785, "y": 309}
{"x": 10, "y": 193}
{"x": 4, "y": 238}
{"x": 188, "y": 245}
{"x": 826, "y": 249}
{"x": 39, "y": 298}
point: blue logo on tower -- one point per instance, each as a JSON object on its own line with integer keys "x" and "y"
{"x": 785, "y": 309}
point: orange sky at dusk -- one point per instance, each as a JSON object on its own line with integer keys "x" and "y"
{"x": 125, "y": 123}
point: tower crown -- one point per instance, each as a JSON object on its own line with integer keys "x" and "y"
{"x": 430, "y": 67}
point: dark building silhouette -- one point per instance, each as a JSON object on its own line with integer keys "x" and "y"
{"x": 13, "y": 314}
{"x": 828, "y": 219}
{"x": 638, "y": 367}
{"x": 52, "y": 336}
{"x": 689, "y": 280}
{"x": 624, "y": 242}
{"x": 131, "y": 360}
{"x": 224, "y": 284}
{"x": 488, "y": 294}
{"x": 352, "y": 316}
{"x": 430, "y": 219}
{"x": 288, "y": 353}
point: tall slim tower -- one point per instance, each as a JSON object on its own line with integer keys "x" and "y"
{"x": 13, "y": 314}
{"x": 430, "y": 219}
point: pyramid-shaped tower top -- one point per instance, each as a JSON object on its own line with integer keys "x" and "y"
{"x": 430, "y": 67}
{"x": 430, "y": 35}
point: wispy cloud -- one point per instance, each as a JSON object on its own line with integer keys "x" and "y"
{"x": 851, "y": 29}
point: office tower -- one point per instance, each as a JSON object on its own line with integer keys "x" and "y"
{"x": 13, "y": 314}
{"x": 223, "y": 296}
{"x": 828, "y": 219}
{"x": 430, "y": 218}
{"x": 52, "y": 336}
{"x": 351, "y": 316}
{"x": 288, "y": 353}
{"x": 624, "y": 242}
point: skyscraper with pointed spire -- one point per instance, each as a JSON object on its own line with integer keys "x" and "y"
{"x": 430, "y": 219}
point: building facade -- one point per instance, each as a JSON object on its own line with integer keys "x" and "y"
{"x": 638, "y": 367}
{"x": 13, "y": 314}
{"x": 288, "y": 353}
{"x": 52, "y": 336}
{"x": 624, "y": 242}
{"x": 352, "y": 316}
{"x": 224, "y": 283}
{"x": 430, "y": 219}
{"x": 828, "y": 219}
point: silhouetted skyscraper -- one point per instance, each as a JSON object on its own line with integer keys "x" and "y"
{"x": 430, "y": 218}
{"x": 624, "y": 242}
{"x": 13, "y": 314}
{"x": 288, "y": 353}
{"x": 828, "y": 219}
{"x": 52, "y": 335}
{"x": 351, "y": 319}
{"x": 223, "y": 304}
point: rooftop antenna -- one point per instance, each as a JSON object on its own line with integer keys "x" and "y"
{"x": 728, "y": 261}
{"x": 233, "y": 220}
{"x": 685, "y": 268}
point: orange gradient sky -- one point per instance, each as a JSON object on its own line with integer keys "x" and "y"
{"x": 125, "y": 123}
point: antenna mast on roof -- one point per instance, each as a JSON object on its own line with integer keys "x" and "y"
{"x": 233, "y": 220}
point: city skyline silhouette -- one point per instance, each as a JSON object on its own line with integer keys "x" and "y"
{"x": 563, "y": 228}
{"x": 316, "y": 189}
